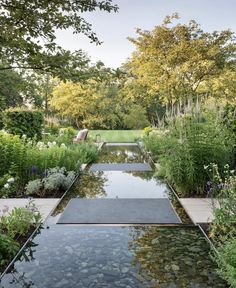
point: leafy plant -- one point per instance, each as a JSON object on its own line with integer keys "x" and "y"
{"x": 223, "y": 188}
{"x": 226, "y": 259}
{"x": 13, "y": 227}
{"x": 8, "y": 249}
{"x": 26, "y": 160}
{"x": 186, "y": 148}
{"x": 57, "y": 179}
{"x": 19, "y": 221}
{"x": 20, "y": 121}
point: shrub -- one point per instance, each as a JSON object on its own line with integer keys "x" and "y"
{"x": 18, "y": 121}
{"x": 226, "y": 260}
{"x": 157, "y": 143}
{"x": 8, "y": 186}
{"x": 14, "y": 158}
{"x": 52, "y": 155}
{"x": 57, "y": 180}
{"x": 223, "y": 187}
{"x": 20, "y": 220}
{"x": 8, "y": 249}
{"x": 26, "y": 160}
{"x": 13, "y": 227}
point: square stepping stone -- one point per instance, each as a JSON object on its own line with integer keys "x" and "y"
{"x": 119, "y": 211}
{"x": 121, "y": 167}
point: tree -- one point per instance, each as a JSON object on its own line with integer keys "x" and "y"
{"x": 136, "y": 118}
{"x": 28, "y": 37}
{"x": 173, "y": 63}
{"x": 11, "y": 84}
{"x": 95, "y": 102}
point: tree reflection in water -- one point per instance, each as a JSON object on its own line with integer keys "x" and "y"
{"x": 121, "y": 154}
{"x": 173, "y": 256}
{"x": 88, "y": 185}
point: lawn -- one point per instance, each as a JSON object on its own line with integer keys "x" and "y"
{"x": 116, "y": 135}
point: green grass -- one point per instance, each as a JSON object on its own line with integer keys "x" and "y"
{"x": 116, "y": 135}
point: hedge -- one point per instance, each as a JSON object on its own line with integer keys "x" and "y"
{"x": 20, "y": 121}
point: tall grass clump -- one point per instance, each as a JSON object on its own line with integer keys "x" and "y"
{"x": 191, "y": 143}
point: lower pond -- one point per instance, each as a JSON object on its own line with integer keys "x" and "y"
{"x": 132, "y": 256}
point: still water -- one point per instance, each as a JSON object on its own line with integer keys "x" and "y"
{"x": 84, "y": 256}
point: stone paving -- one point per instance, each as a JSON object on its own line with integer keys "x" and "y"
{"x": 45, "y": 206}
{"x": 200, "y": 210}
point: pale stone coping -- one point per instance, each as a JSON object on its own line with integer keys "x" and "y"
{"x": 44, "y": 205}
{"x": 121, "y": 144}
{"x": 200, "y": 210}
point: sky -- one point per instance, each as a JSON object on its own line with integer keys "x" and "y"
{"x": 114, "y": 28}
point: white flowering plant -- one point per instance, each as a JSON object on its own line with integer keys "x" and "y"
{"x": 8, "y": 186}
{"x": 222, "y": 187}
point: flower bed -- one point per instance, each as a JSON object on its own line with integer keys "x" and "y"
{"x": 43, "y": 170}
{"x": 15, "y": 228}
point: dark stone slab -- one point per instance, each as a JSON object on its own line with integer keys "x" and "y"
{"x": 121, "y": 167}
{"x": 119, "y": 211}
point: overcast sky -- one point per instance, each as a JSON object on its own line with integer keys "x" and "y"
{"x": 114, "y": 28}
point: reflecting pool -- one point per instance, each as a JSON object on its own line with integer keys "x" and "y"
{"x": 120, "y": 184}
{"x": 130, "y": 256}
{"x": 137, "y": 256}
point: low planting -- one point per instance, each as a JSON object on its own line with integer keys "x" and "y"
{"x": 24, "y": 160}
{"x": 222, "y": 230}
{"x": 15, "y": 228}
{"x": 56, "y": 181}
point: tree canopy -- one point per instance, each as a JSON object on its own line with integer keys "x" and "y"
{"x": 177, "y": 63}
{"x": 28, "y": 37}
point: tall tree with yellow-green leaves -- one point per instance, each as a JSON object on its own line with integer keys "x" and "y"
{"x": 178, "y": 64}
{"x": 92, "y": 103}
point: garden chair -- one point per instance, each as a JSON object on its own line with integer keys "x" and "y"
{"x": 81, "y": 136}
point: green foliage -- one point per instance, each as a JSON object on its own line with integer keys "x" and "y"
{"x": 13, "y": 227}
{"x": 62, "y": 135}
{"x": 136, "y": 118}
{"x": 94, "y": 104}
{"x": 26, "y": 160}
{"x": 20, "y": 220}
{"x": 177, "y": 63}
{"x": 52, "y": 155}
{"x": 23, "y": 122}
{"x": 8, "y": 249}
{"x": 222, "y": 186}
{"x": 158, "y": 142}
{"x": 13, "y": 153}
{"x": 24, "y": 22}
{"x": 11, "y": 86}
{"x": 56, "y": 180}
{"x": 226, "y": 259}
{"x": 185, "y": 150}
{"x": 8, "y": 186}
